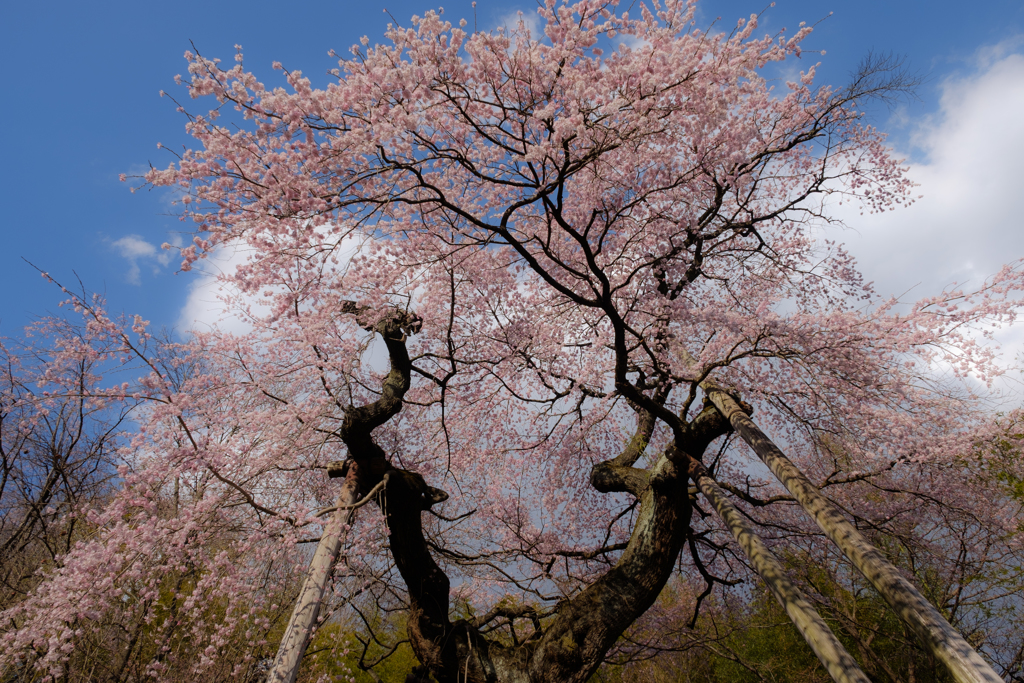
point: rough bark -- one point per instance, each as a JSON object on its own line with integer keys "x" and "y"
{"x": 453, "y": 651}
{"x": 574, "y": 642}
{"x": 365, "y": 469}
{"x": 307, "y": 605}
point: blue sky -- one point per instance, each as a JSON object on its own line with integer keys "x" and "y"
{"x": 81, "y": 106}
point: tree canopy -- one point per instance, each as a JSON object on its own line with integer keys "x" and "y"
{"x": 494, "y": 271}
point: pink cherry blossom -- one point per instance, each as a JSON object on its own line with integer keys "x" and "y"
{"x": 554, "y": 240}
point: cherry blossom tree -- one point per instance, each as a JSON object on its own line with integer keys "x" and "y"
{"x": 58, "y": 447}
{"x": 494, "y": 273}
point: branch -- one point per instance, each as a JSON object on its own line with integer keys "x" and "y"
{"x": 369, "y": 496}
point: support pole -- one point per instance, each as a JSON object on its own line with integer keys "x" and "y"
{"x": 840, "y": 665}
{"x": 924, "y": 620}
{"x": 307, "y": 606}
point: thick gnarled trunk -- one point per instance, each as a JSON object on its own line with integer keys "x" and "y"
{"x": 574, "y": 642}
{"x": 574, "y": 645}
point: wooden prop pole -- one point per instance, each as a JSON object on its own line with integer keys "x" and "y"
{"x": 931, "y": 628}
{"x": 840, "y": 665}
{"x": 307, "y": 606}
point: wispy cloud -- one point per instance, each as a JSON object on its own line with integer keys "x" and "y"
{"x": 530, "y": 19}
{"x": 140, "y": 253}
{"x": 213, "y": 301}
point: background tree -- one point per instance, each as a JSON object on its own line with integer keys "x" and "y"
{"x": 555, "y": 239}
{"x": 58, "y": 444}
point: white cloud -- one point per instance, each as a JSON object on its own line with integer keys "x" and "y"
{"x": 988, "y": 55}
{"x": 534, "y": 24}
{"x": 134, "y": 247}
{"x": 138, "y": 250}
{"x": 214, "y": 303}
{"x": 969, "y": 221}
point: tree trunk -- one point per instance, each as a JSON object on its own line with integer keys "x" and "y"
{"x": 366, "y": 469}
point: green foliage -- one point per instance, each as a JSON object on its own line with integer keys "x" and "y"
{"x": 765, "y": 644}
{"x": 750, "y": 639}
{"x": 340, "y": 651}
{"x": 335, "y": 652}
